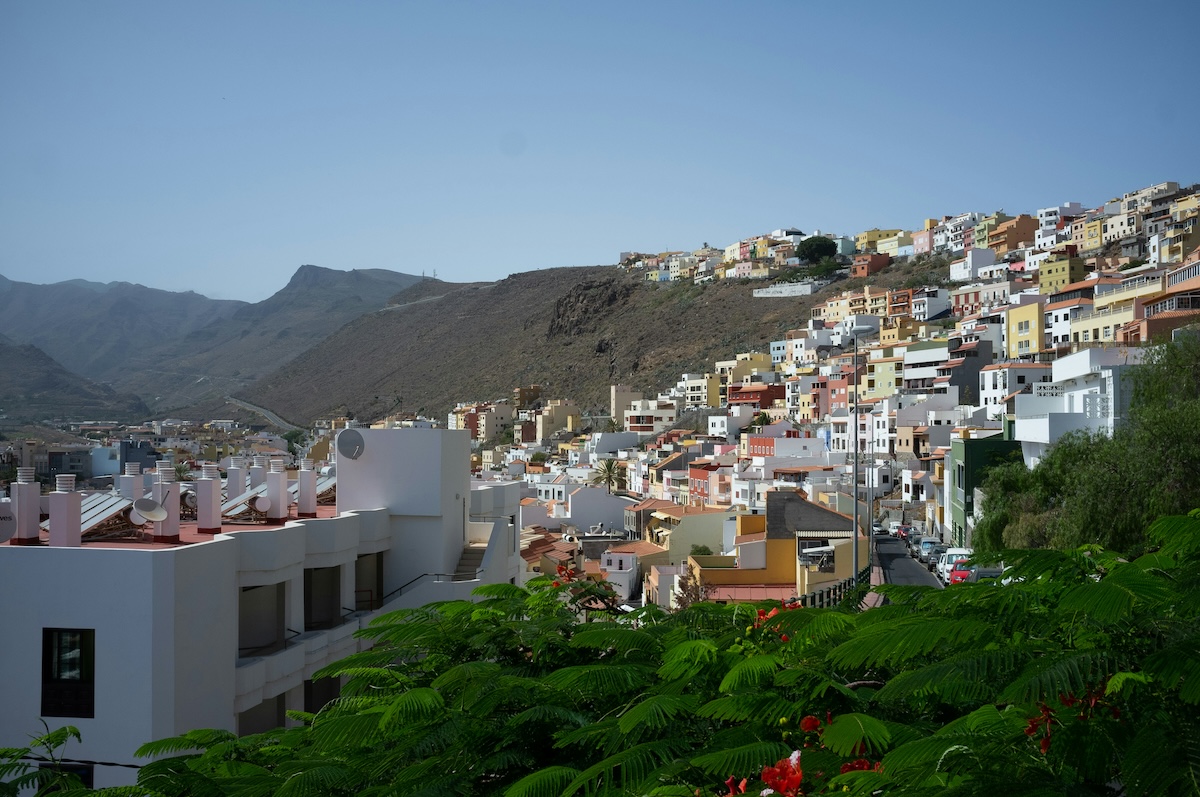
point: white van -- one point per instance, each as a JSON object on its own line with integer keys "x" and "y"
{"x": 946, "y": 561}
{"x": 893, "y": 527}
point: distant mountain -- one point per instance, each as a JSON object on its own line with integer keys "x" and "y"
{"x": 91, "y": 328}
{"x": 177, "y": 349}
{"x": 573, "y": 330}
{"x": 34, "y": 387}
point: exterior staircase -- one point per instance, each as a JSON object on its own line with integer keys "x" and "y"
{"x": 469, "y": 562}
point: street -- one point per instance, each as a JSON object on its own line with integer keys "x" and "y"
{"x": 898, "y": 567}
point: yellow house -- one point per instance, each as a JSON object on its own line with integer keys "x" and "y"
{"x": 1059, "y": 271}
{"x": 875, "y": 302}
{"x": 1093, "y": 233}
{"x": 1026, "y": 329}
{"x": 796, "y": 547}
{"x": 891, "y": 245}
{"x": 868, "y": 240}
{"x": 884, "y": 373}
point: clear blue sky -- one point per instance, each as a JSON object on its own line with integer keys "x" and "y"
{"x": 217, "y": 146}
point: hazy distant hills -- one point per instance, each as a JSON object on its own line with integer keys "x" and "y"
{"x": 573, "y": 330}
{"x": 34, "y": 387}
{"x": 177, "y": 349}
{"x": 373, "y": 342}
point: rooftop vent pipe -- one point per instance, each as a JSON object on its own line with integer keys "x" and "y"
{"x": 65, "y": 513}
{"x": 208, "y": 500}
{"x": 277, "y": 491}
{"x": 26, "y": 495}
{"x": 306, "y": 483}
{"x": 166, "y": 493}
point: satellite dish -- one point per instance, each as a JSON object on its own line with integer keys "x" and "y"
{"x": 189, "y": 499}
{"x": 261, "y": 503}
{"x": 136, "y": 519}
{"x": 350, "y": 444}
{"x": 150, "y": 509}
{"x": 8, "y": 520}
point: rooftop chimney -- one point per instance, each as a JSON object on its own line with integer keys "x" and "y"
{"x": 258, "y": 472}
{"x": 65, "y": 513}
{"x": 235, "y": 478}
{"x": 26, "y": 495}
{"x": 306, "y": 483}
{"x": 208, "y": 500}
{"x": 131, "y": 484}
{"x": 277, "y": 491}
{"x": 166, "y": 493}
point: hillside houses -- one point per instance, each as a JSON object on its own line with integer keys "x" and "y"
{"x": 1024, "y": 339}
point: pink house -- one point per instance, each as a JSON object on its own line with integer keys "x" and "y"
{"x": 922, "y": 242}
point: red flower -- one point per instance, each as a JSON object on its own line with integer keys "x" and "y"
{"x": 555, "y": 584}
{"x": 809, "y": 724}
{"x": 1045, "y": 744}
{"x": 735, "y": 788}
{"x": 786, "y": 776}
{"x": 860, "y": 764}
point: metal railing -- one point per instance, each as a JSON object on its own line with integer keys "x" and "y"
{"x": 835, "y": 593}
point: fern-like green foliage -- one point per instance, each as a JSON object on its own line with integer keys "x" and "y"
{"x": 1079, "y": 676}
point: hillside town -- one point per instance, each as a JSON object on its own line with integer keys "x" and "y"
{"x": 894, "y": 400}
{"x": 763, "y": 477}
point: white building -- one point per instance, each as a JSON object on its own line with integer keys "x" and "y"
{"x": 1086, "y": 392}
{"x": 1052, "y": 230}
{"x": 969, "y": 267}
{"x": 133, "y": 641}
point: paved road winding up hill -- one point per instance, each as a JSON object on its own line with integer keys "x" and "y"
{"x": 899, "y": 567}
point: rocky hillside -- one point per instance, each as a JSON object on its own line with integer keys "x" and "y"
{"x": 573, "y": 330}
{"x": 34, "y": 387}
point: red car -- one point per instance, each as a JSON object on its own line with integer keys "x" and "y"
{"x": 959, "y": 572}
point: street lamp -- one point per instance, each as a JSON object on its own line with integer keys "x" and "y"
{"x": 854, "y": 332}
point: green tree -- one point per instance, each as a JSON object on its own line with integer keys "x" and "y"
{"x": 816, "y": 249}
{"x": 296, "y": 438}
{"x": 1097, "y": 489}
{"x": 701, "y": 550}
{"x": 1081, "y": 676}
{"x": 608, "y": 472}
{"x": 827, "y": 267}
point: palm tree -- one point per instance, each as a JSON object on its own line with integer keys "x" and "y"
{"x": 610, "y": 474}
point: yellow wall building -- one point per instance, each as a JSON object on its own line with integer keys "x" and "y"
{"x": 868, "y": 240}
{"x": 1026, "y": 329}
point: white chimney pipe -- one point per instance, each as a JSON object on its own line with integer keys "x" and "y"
{"x": 208, "y": 500}
{"x": 235, "y": 478}
{"x": 26, "y": 495}
{"x": 277, "y": 491}
{"x": 258, "y": 472}
{"x": 66, "y": 517}
{"x": 306, "y": 482}
{"x": 132, "y": 485}
{"x": 166, "y": 493}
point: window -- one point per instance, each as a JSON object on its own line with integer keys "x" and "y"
{"x": 68, "y": 672}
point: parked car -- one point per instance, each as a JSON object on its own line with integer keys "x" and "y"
{"x": 894, "y": 527}
{"x": 914, "y": 545}
{"x": 904, "y": 532}
{"x": 927, "y": 546}
{"x": 984, "y": 573}
{"x": 952, "y": 555}
{"x": 931, "y": 558}
{"x": 877, "y": 527}
{"x": 960, "y": 572}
